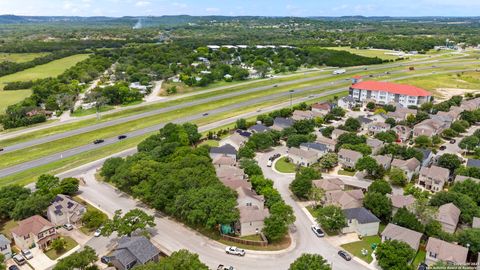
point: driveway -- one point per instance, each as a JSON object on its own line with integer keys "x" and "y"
{"x": 40, "y": 260}
{"x": 11, "y": 262}
{"x": 76, "y": 235}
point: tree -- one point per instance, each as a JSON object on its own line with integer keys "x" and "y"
{"x": 327, "y": 131}
{"x": 328, "y": 161}
{"x": 2, "y": 262}
{"x": 469, "y": 143}
{"x": 460, "y": 126}
{"x": 241, "y": 124}
{"x": 391, "y": 121}
{"x": 387, "y": 137}
{"x": 93, "y": 219}
{"x": 407, "y": 219}
{"x": 424, "y": 212}
{"x": 316, "y": 195}
{"x": 260, "y": 141}
{"x": 379, "y": 204}
{"x": 423, "y": 141}
{"x": 310, "y": 262}
{"x": 245, "y": 152}
{"x": 109, "y": 167}
{"x": 59, "y": 244}
{"x": 393, "y": 254}
{"x": 331, "y": 218}
{"x": 349, "y": 138}
{"x": 182, "y": 259}
{"x": 352, "y": 124}
{"x": 397, "y": 177}
{"x": 295, "y": 140}
{"x": 69, "y": 186}
{"x": 79, "y": 260}
{"x": 471, "y": 237}
{"x": 302, "y": 183}
{"x": 132, "y": 221}
{"x": 469, "y": 188}
{"x": 449, "y": 133}
{"x": 274, "y": 228}
{"x": 449, "y": 161}
{"x": 371, "y": 166}
{"x": 361, "y": 147}
{"x": 47, "y": 182}
{"x": 467, "y": 205}
{"x": 380, "y": 186}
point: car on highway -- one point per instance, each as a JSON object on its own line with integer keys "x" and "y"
{"x": 121, "y": 137}
{"x": 98, "y": 141}
{"x": 13, "y": 267}
{"x": 317, "y": 231}
{"x": 106, "y": 259}
{"x": 276, "y": 85}
{"x": 19, "y": 259}
{"x": 1, "y": 149}
{"x": 452, "y": 141}
{"x": 344, "y": 255}
{"x": 27, "y": 254}
{"x": 205, "y": 114}
{"x": 68, "y": 227}
{"x": 235, "y": 251}
{"x": 223, "y": 267}
{"x": 443, "y": 147}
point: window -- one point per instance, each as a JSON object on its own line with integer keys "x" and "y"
{"x": 433, "y": 255}
{"x": 26, "y": 236}
{"x": 3, "y": 248}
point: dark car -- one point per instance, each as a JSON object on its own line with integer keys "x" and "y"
{"x": 98, "y": 141}
{"x": 106, "y": 259}
{"x": 121, "y": 137}
{"x": 443, "y": 147}
{"x": 422, "y": 266}
{"x": 1, "y": 149}
{"x": 344, "y": 255}
{"x": 276, "y": 85}
{"x": 452, "y": 141}
{"x": 13, "y": 267}
{"x": 205, "y": 114}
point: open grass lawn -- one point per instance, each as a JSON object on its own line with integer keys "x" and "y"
{"x": 284, "y": 166}
{"x": 50, "y": 69}
{"x": 355, "y": 248}
{"x": 6, "y": 226}
{"x": 20, "y": 57}
{"x": 367, "y": 52}
{"x": 53, "y": 254}
{"x": 212, "y": 143}
{"x": 81, "y": 112}
{"x": 344, "y": 172}
{"x": 464, "y": 80}
{"x": 283, "y": 244}
{"x": 419, "y": 258}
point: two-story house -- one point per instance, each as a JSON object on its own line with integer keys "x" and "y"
{"x": 64, "y": 210}
{"x": 34, "y": 230}
{"x": 439, "y": 250}
{"x": 348, "y": 158}
{"x": 5, "y": 248}
{"x": 433, "y": 178}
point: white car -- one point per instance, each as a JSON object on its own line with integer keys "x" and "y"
{"x": 317, "y": 231}
{"x": 235, "y": 251}
{"x": 269, "y": 163}
{"x": 68, "y": 227}
{"x": 27, "y": 254}
{"x": 98, "y": 232}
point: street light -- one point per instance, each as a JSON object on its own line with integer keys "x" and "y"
{"x": 291, "y": 93}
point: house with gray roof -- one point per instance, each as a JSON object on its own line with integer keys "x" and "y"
{"x": 226, "y": 150}
{"x": 385, "y": 161}
{"x": 281, "y": 123}
{"x": 5, "y": 248}
{"x": 319, "y": 148}
{"x": 473, "y": 163}
{"x": 375, "y": 144}
{"x": 236, "y": 140}
{"x": 433, "y": 178}
{"x": 400, "y": 201}
{"x": 134, "y": 251}
{"x": 427, "y": 156}
{"x": 409, "y": 166}
{"x": 361, "y": 221}
{"x": 364, "y": 121}
{"x": 258, "y": 128}
{"x": 448, "y": 216}
{"x": 347, "y": 103}
{"x": 439, "y": 250}
{"x": 329, "y": 143}
{"x": 399, "y": 233}
{"x": 348, "y": 158}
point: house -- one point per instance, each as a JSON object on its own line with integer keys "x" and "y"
{"x": 304, "y": 115}
{"x": 337, "y": 132}
{"x": 251, "y": 220}
{"x": 400, "y": 201}
{"x": 329, "y": 143}
{"x": 248, "y": 197}
{"x": 318, "y": 148}
{"x": 409, "y": 166}
{"x": 344, "y": 199}
{"x": 377, "y": 127}
{"x": 399, "y": 233}
{"x": 258, "y": 128}
{"x": 448, "y": 215}
{"x": 302, "y": 157}
{"x": 361, "y": 221}
{"x": 429, "y": 127}
{"x": 64, "y": 210}
{"x": 224, "y": 161}
{"x": 348, "y": 158}
{"x": 401, "y": 113}
{"x": 471, "y": 105}
{"x": 280, "y": 123}
{"x": 433, "y": 178}
{"x": 34, "y": 230}
{"x": 229, "y": 172}
{"x": 427, "y": 156}
{"x": 236, "y": 140}
{"x": 375, "y": 144}
{"x": 476, "y": 222}
{"x": 322, "y": 108}
{"x": 347, "y": 103}
{"x": 387, "y": 92}
{"x": 403, "y": 132}
{"x": 385, "y": 161}
{"x": 331, "y": 184}
{"x": 450, "y": 116}
{"x": 364, "y": 122}
{"x": 226, "y": 150}
{"x": 134, "y": 251}
{"x": 473, "y": 163}
{"x": 439, "y": 250}
{"x": 5, "y": 248}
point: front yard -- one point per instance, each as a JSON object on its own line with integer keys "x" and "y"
{"x": 69, "y": 244}
{"x": 284, "y": 166}
{"x": 345, "y": 172}
{"x": 356, "y": 248}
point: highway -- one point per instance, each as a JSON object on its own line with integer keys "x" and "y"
{"x": 75, "y": 151}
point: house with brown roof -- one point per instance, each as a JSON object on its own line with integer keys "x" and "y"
{"x": 448, "y": 216}
{"x": 375, "y": 144}
{"x": 252, "y": 212}
{"x": 329, "y": 143}
{"x": 377, "y": 127}
{"x": 433, "y": 178}
{"x": 409, "y": 166}
{"x": 344, "y": 199}
{"x": 302, "y": 157}
{"x": 331, "y": 184}
{"x": 399, "y": 233}
{"x": 471, "y": 105}
{"x": 403, "y": 132}
{"x": 224, "y": 161}
{"x": 298, "y": 115}
{"x": 322, "y": 107}
{"x": 400, "y": 201}
{"x": 337, "y": 132}
{"x": 348, "y": 158}
{"x": 401, "y": 113}
{"x": 34, "y": 230}
{"x": 439, "y": 250}
{"x": 229, "y": 172}
{"x": 385, "y": 161}
{"x": 429, "y": 127}
{"x": 280, "y": 123}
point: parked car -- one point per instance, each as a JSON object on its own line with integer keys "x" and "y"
{"x": 317, "y": 231}
{"x": 344, "y": 255}
{"x": 443, "y": 147}
{"x": 452, "y": 141}
{"x": 121, "y": 137}
{"x": 27, "y": 254}
{"x": 223, "y": 267}
{"x": 68, "y": 227}
{"x": 98, "y": 232}
{"x": 235, "y": 251}
{"x": 269, "y": 163}
{"x": 19, "y": 259}
{"x": 1, "y": 149}
{"x": 98, "y": 141}
{"x": 106, "y": 259}
{"x": 13, "y": 267}
{"x": 422, "y": 266}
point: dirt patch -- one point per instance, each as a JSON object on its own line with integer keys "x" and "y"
{"x": 447, "y": 93}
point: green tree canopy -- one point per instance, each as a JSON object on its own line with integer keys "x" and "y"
{"x": 310, "y": 262}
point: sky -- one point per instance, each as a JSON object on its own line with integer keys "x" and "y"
{"x": 118, "y": 8}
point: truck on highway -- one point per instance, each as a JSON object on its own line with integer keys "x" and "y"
{"x": 339, "y": 71}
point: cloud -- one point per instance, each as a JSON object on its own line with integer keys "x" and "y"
{"x": 212, "y": 10}
{"x": 142, "y": 3}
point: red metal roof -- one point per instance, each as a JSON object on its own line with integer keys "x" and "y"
{"x": 394, "y": 88}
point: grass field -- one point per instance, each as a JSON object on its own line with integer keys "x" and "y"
{"x": 20, "y": 57}
{"x": 367, "y": 52}
{"x": 50, "y": 69}
{"x": 464, "y": 80}
{"x": 283, "y": 166}
{"x": 355, "y": 248}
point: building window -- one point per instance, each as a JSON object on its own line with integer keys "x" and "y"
{"x": 433, "y": 255}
